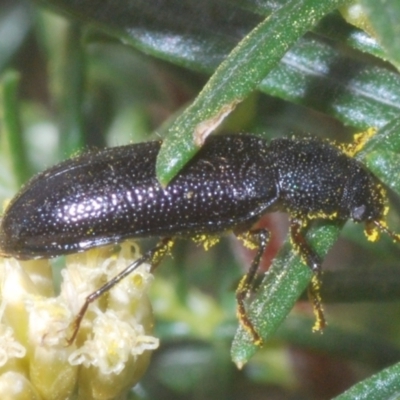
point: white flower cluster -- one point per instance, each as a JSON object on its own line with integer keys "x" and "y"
{"x": 114, "y": 342}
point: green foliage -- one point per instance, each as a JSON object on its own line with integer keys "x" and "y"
{"x": 116, "y": 70}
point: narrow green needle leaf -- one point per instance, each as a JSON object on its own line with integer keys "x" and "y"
{"x": 381, "y": 386}
{"x": 13, "y": 137}
{"x": 236, "y": 78}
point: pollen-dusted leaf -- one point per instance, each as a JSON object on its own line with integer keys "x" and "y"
{"x": 239, "y": 75}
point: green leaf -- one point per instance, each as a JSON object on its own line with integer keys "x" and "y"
{"x": 381, "y": 154}
{"x": 381, "y": 386}
{"x": 384, "y": 17}
{"x": 188, "y": 33}
{"x": 71, "y": 78}
{"x": 12, "y": 139}
{"x": 236, "y": 78}
{"x": 67, "y": 72}
{"x": 315, "y": 72}
{"x": 15, "y": 24}
{"x": 317, "y": 75}
{"x": 334, "y": 27}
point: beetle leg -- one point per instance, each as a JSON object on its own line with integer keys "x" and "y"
{"x": 302, "y": 247}
{"x": 153, "y": 256}
{"x": 382, "y": 227}
{"x": 358, "y": 143}
{"x": 312, "y": 259}
{"x": 257, "y": 239}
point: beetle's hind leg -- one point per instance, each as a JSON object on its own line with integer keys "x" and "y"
{"x": 256, "y": 239}
{"x": 153, "y": 256}
{"x": 311, "y": 258}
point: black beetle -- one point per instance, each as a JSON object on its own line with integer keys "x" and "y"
{"x": 107, "y": 196}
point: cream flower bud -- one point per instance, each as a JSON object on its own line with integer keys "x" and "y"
{"x": 114, "y": 342}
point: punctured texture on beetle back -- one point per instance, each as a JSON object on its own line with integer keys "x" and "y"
{"x": 107, "y": 196}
